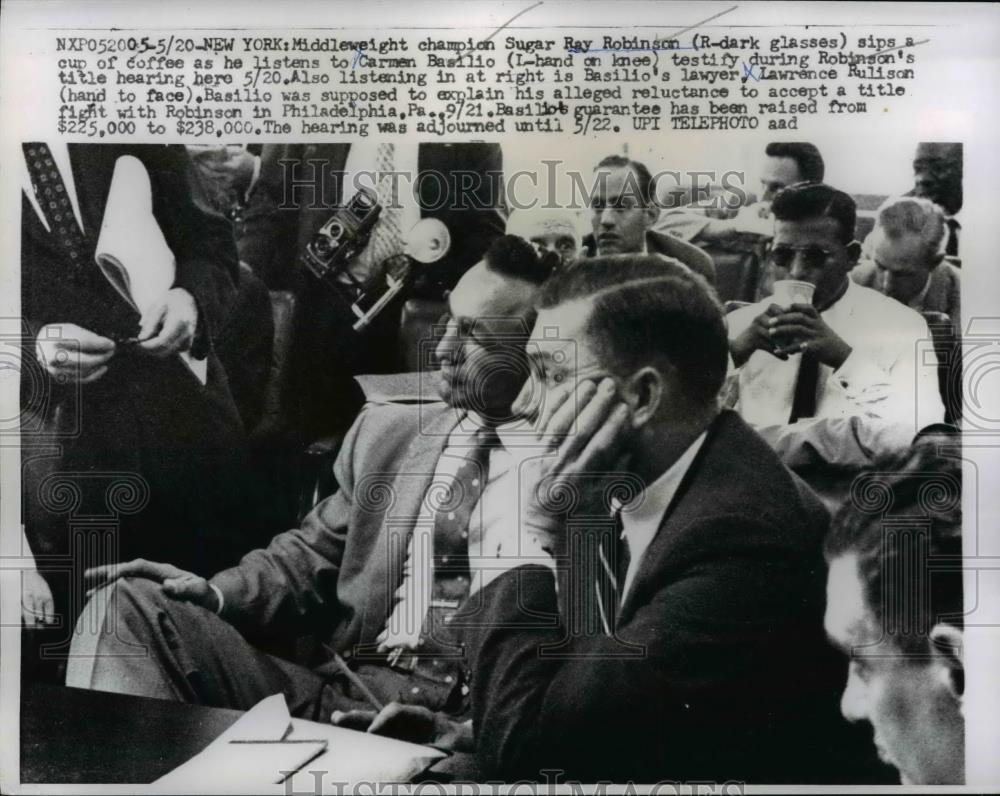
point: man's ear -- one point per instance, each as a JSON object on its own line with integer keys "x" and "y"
{"x": 947, "y": 649}
{"x": 645, "y": 393}
{"x": 853, "y": 252}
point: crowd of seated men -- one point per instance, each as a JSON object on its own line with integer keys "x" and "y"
{"x": 611, "y": 547}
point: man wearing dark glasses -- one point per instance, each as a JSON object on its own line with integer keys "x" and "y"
{"x": 848, "y": 351}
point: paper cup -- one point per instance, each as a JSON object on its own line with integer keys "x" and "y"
{"x": 792, "y": 291}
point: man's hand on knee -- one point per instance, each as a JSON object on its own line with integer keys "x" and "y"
{"x": 177, "y": 583}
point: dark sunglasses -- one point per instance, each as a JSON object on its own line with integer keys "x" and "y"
{"x": 814, "y": 256}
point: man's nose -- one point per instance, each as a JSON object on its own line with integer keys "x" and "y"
{"x": 853, "y": 701}
{"x": 608, "y": 217}
{"x": 798, "y": 267}
{"x": 520, "y": 406}
{"x": 446, "y": 351}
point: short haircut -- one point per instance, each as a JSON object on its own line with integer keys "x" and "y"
{"x": 646, "y": 308}
{"x": 904, "y": 522}
{"x": 803, "y": 201}
{"x": 806, "y": 157}
{"x": 911, "y": 215}
{"x": 643, "y": 178}
{"x": 513, "y": 256}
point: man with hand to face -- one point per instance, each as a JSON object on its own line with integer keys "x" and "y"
{"x": 666, "y": 634}
{"x": 848, "y": 351}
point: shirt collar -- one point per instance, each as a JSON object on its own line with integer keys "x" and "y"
{"x": 647, "y": 514}
{"x": 917, "y": 302}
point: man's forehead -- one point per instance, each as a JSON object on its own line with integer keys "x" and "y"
{"x": 848, "y": 619}
{"x": 904, "y": 252}
{"x": 482, "y": 292}
{"x": 818, "y": 229}
{"x": 616, "y": 180}
{"x": 781, "y": 169}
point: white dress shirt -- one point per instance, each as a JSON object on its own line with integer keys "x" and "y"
{"x": 890, "y": 375}
{"x": 504, "y": 540}
{"x": 641, "y": 519}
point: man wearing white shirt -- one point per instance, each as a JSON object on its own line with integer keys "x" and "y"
{"x": 851, "y": 351}
{"x": 666, "y": 636}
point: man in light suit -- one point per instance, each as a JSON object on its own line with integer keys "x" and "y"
{"x": 357, "y": 574}
{"x": 684, "y": 639}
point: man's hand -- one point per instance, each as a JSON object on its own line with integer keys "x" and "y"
{"x": 72, "y": 353}
{"x": 586, "y": 430}
{"x": 177, "y": 583}
{"x": 413, "y": 723}
{"x": 37, "y": 606}
{"x": 758, "y": 335}
{"x": 169, "y": 325}
{"x": 801, "y": 328}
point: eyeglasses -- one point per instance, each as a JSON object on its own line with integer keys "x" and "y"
{"x": 813, "y": 256}
{"x": 514, "y": 332}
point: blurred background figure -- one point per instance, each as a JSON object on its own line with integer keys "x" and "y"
{"x": 554, "y": 230}
{"x": 937, "y": 175}
{"x": 785, "y": 163}
{"x": 623, "y": 210}
{"x": 905, "y": 253}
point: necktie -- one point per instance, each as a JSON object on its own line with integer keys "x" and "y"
{"x": 50, "y": 190}
{"x": 806, "y": 385}
{"x": 613, "y": 559}
{"x": 951, "y": 247}
{"x": 454, "y": 502}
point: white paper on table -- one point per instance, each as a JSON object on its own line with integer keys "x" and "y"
{"x": 252, "y": 756}
{"x": 131, "y": 250}
{"x": 231, "y": 764}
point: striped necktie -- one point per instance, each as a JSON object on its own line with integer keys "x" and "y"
{"x": 613, "y": 559}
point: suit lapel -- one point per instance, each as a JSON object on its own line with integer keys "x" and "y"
{"x": 649, "y": 571}
{"x": 412, "y": 477}
{"x": 92, "y": 171}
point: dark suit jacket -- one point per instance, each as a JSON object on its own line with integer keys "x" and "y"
{"x": 736, "y": 680}
{"x": 146, "y": 417}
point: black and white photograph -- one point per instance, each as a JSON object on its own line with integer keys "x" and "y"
{"x": 470, "y": 395}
